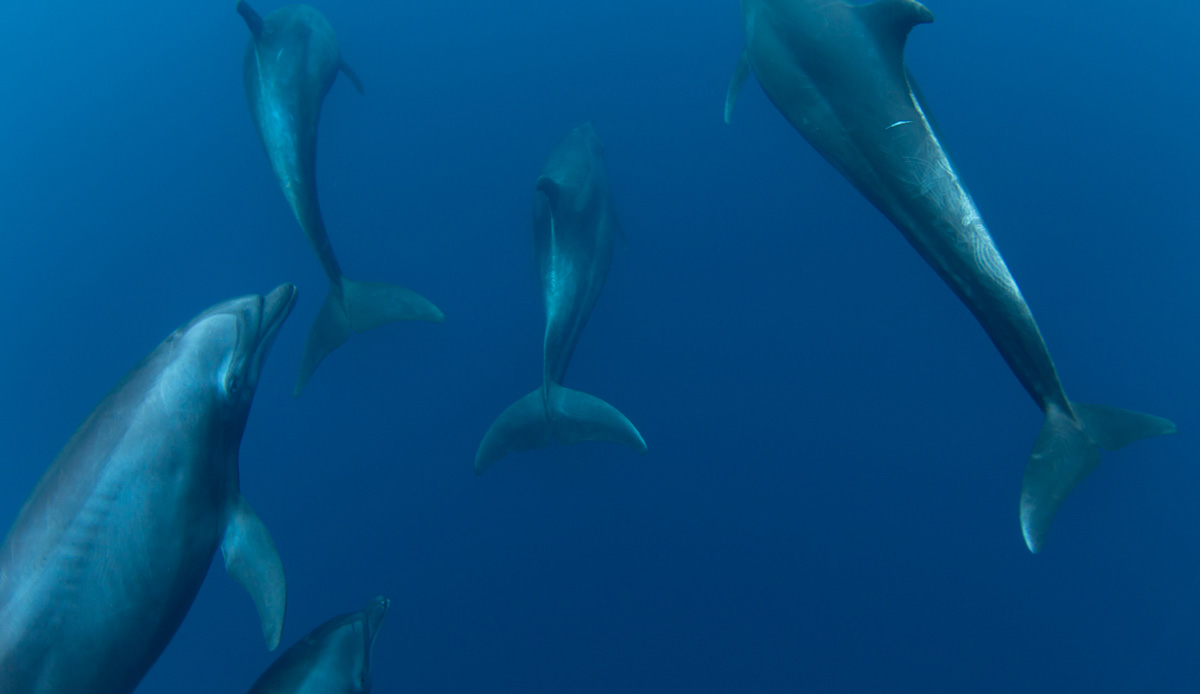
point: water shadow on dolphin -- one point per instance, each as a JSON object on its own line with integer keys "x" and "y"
{"x": 107, "y": 555}
{"x": 574, "y": 229}
{"x": 291, "y": 61}
{"x": 836, "y": 71}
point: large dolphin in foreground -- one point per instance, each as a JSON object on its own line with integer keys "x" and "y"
{"x": 334, "y": 658}
{"x": 836, "y": 72}
{"x": 109, "y": 551}
{"x": 291, "y": 61}
{"x": 574, "y": 229}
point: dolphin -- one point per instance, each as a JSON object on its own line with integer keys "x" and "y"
{"x": 836, "y": 71}
{"x": 109, "y": 551}
{"x": 291, "y": 61}
{"x": 574, "y": 229}
{"x": 334, "y": 658}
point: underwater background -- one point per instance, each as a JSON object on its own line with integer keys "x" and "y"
{"x": 829, "y": 500}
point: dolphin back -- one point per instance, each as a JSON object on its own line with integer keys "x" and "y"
{"x": 558, "y": 414}
{"x": 575, "y": 227}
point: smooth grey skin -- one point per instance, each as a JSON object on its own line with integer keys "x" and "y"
{"x": 836, "y": 71}
{"x": 108, "y": 553}
{"x": 334, "y": 658}
{"x": 574, "y": 228}
{"x": 290, "y": 63}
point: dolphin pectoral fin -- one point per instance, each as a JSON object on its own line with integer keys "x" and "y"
{"x": 253, "y": 20}
{"x": 351, "y": 75}
{"x": 740, "y": 72}
{"x": 1112, "y": 428}
{"x": 1067, "y": 449}
{"x": 521, "y": 427}
{"x": 328, "y": 332}
{"x": 251, "y": 559}
{"x": 577, "y": 417}
{"x": 891, "y": 21}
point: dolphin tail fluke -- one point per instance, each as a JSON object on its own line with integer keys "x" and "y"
{"x": 372, "y": 304}
{"x": 740, "y": 73}
{"x": 357, "y": 307}
{"x": 253, "y": 20}
{"x": 1112, "y": 428}
{"x": 251, "y": 559}
{"x": 522, "y": 427}
{"x": 1067, "y": 449}
{"x": 329, "y": 331}
{"x": 579, "y": 417}
{"x": 559, "y": 414}
{"x": 351, "y": 75}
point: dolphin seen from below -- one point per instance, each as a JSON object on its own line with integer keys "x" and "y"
{"x": 334, "y": 658}
{"x": 291, "y": 61}
{"x": 574, "y": 229}
{"x": 107, "y": 555}
{"x": 836, "y": 71}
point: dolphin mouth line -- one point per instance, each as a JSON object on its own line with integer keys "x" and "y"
{"x": 275, "y": 309}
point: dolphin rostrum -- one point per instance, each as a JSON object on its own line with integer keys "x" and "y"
{"x": 334, "y": 658}
{"x": 574, "y": 229}
{"x": 836, "y": 71}
{"x": 291, "y": 61}
{"x": 108, "y": 553}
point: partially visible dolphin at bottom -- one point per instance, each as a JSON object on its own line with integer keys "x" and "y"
{"x": 107, "y": 555}
{"x": 836, "y": 71}
{"x": 574, "y": 229}
{"x": 334, "y": 658}
{"x": 291, "y": 61}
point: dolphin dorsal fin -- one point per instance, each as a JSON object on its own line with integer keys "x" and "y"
{"x": 549, "y": 187}
{"x": 891, "y": 20}
{"x": 253, "y": 20}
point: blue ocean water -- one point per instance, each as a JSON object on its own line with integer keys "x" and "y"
{"x": 829, "y": 501}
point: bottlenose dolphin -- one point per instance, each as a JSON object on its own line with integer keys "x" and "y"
{"x": 291, "y": 61}
{"x": 334, "y": 658}
{"x": 107, "y": 555}
{"x": 836, "y": 71}
{"x": 574, "y": 229}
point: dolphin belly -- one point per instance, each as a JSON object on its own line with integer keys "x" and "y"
{"x": 97, "y": 605}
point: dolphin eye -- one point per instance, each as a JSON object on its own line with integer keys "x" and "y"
{"x": 232, "y": 385}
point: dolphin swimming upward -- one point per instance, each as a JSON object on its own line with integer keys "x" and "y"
{"x": 107, "y": 555}
{"x": 836, "y": 72}
{"x": 334, "y": 658}
{"x": 574, "y": 229}
{"x": 291, "y": 61}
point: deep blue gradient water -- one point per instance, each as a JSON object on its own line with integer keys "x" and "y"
{"x": 829, "y": 501}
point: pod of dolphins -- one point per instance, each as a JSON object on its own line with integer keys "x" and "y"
{"x": 107, "y": 555}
